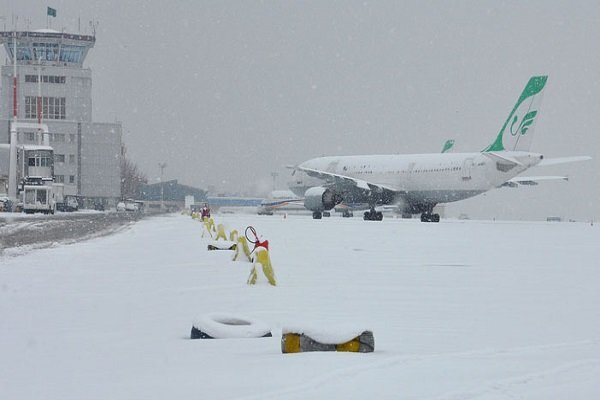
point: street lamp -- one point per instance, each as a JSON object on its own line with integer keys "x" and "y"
{"x": 162, "y": 167}
{"x": 274, "y": 175}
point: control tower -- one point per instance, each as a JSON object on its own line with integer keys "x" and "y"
{"x": 54, "y": 87}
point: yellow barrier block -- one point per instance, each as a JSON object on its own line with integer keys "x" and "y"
{"x": 261, "y": 257}
{"x": 294, "y": 342}
{"x": 209, "y": 227}
{"x": 221, "y": 232}
{"x": 233, "y": 235}
{"x": 353, "y": 346}
{"x": 290, "y": 343}
{"x": 242, "y": 252}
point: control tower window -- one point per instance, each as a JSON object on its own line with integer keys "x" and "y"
{"x": 24, "y": 54}
{"x": 45, "y": 51}
{"x": 71, "y": 54}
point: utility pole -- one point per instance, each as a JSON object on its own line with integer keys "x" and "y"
{"x": 162, "y": 167}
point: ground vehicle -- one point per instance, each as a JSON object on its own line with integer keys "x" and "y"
{"x": 5, "y": 204}
{"x": 130, "y": 205}
{"x": 38, "y": 198}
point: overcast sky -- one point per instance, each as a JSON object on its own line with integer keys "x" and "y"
{"x": 227, "y": 92}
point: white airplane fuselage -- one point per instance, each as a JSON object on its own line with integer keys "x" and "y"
{"x": 432, "y": 178}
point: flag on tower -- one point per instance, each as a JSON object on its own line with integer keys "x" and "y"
{"x": 51, "y": 12}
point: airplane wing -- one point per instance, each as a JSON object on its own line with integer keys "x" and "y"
{"x": 346, "y": 181}
{"x": 562, "y": 160}
{"x": 532, "y": 180}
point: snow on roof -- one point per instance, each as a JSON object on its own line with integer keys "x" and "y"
{"x": 46, "y": 31}
{"x": 36, "y": 147}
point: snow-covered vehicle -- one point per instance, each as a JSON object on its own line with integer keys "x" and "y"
{"x": 38, "y": 198}
{"x": 130, "y": 205}
{"x": 5, "y": 204}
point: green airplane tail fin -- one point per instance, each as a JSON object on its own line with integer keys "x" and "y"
{"x": 517, "y": 131}
{"x": 448, "y": 145}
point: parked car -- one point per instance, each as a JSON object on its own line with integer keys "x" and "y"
{"x": 130, "y": 205}
{"x": 5, "y": 204}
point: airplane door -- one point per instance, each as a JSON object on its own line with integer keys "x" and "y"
{"x": 332, "y": 166}
{"x": 467, "y": 168}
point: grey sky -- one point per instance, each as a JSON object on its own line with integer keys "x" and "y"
{"x": 225, "y": 92}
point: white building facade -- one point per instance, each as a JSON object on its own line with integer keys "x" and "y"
{"x": 52, "y": 84}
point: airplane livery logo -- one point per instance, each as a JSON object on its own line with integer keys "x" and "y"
{"x": 526, "y": 122}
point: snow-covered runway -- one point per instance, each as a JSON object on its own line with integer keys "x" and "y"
{"x": 459, "y": 309}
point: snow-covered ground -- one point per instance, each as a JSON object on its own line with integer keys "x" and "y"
{"x": 459, "y": 309}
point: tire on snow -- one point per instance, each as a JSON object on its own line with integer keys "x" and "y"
{"x": 227, "y": 326}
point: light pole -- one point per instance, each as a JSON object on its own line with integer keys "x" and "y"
{"x": 274, "y": 175}
{"x": 162, "y": 167}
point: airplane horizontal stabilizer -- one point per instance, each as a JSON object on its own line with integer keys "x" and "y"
{"x": 502, "y": 158}
{"x": 562, "y": 160}
{"x": 532, "y": 180}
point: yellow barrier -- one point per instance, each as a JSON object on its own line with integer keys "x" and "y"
{"x": 221, "y": 232}
{"x": 233, "y": 235}
{"x": 292, "y": 342}
{"x": 261, "y": 256}
{"x": 209, "y": 227}
{"x": 242, "y": 252}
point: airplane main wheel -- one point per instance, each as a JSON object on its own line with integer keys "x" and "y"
{"x": 326, "y": 214}
{"x": 317, "y": 215}
{"x": 428, "y": 217}
{"x": 373, "y": 215}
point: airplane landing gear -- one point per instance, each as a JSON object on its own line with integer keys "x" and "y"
{"x": 317, "y": 215}
{"x": 373, "y": 215}
{"x": 428, "y": 216}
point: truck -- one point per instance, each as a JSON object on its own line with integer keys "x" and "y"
{"x": 38, "y": 197}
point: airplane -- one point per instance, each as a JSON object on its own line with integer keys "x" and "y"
{"x": 416, "y": 183}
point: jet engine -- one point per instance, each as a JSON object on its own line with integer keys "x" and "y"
{"x": 319, "y": 199}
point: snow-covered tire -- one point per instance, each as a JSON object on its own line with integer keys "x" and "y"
{"x": 227, "y": 326}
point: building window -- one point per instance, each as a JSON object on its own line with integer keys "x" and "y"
{"x": 71, "y": 158}
{"x": 59, "y": 178}
{"x": 71, "y": 54}
{"x": 59, "y": 158}
{"x": 52, "y": 107}
{"x": 71, "y": 138}
{"x": 45, "y": 51}
{"x": 71, "y": 178}
{"x": 46, "y": 79}
{"x": 38, "y": 161}
{"x": 30, "y": 107}
{"x": 57, "y": 137}
{"x": 30, "y": 136}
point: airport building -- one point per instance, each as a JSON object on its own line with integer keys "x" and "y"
{"x": 54, "y": 86}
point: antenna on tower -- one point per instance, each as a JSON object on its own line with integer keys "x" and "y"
{"x": 93, "y": 26}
